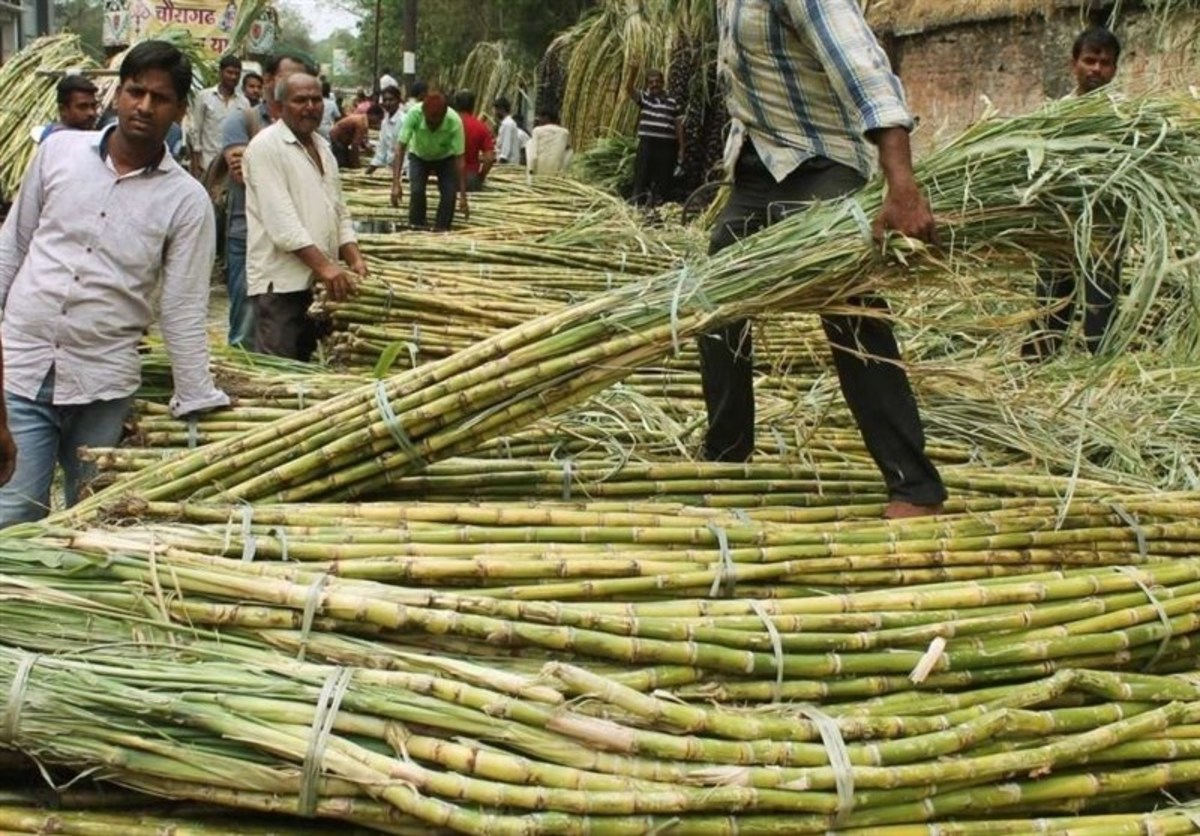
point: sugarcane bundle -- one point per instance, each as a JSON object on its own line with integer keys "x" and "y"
{"x": 29, "y": 101}
{"x": 493, "y": 69}
{"x": 1004, "y": 188}
{"x": 608, "y": 164}
{"x": 395, "y": 751}
{"x": 948, "y": 635}
{"x": 614, "y": 548}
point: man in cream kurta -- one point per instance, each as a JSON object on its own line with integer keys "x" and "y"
{"x": 297, "y": 224}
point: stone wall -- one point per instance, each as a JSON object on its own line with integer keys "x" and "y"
{"x": 953, "y": 74}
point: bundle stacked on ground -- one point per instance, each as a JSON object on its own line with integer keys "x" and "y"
{"x": 410, "y": 710}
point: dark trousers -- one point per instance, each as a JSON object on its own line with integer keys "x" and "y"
{"x": 1056, "y": 290}
{"x": 282, "y": 326}
{"x": 446, "y": 171}
{"x": 865, "y": 353}
{"x": 654, "y": 170}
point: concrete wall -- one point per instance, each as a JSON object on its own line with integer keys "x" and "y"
{"x": 952, "y": 74}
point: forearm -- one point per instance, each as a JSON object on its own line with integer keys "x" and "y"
{"x": 315, "y": 260}
{"x": 486, "y": 161}
{"x": 349, "y": 253}
{"x": 460, "y": 163}
{"x": 895, "y": 157}
{"x": 679, "y": 135}
{"x": 398, "y": 164}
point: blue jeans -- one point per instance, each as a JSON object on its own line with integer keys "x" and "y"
{"x": 241, "y": 312}
{"x": 46, "y": 434}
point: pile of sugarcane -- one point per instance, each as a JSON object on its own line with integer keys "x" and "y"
{"x": 569, "y": 703}
{"x": 493, "y": 69}
{"x": 997, "y": 198}
{"x": 585, "y": 70}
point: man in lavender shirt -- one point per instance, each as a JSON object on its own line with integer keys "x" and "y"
{"x": 103, "y": 220}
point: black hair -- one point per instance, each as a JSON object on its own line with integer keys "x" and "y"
{"x": 375, "y": 112}
{"x": 70, "y": 84}
{"x": 391, "y": 88}
{"x": 326, "y": 88}
{"x": 249, "y": 76}
{"x": 418, "y": 89}
{"x": 464, "y": 100}
{"x": 503, "y": 103}
{"x": 290, "y": 54}
{"x": 159, "y": 55}
{"x": 229, "y": 61}
{"x": 548, "y": 114}
{"x": 1097, "y": 39}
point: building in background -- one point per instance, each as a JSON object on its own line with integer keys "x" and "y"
{"x": 21, "y": 21}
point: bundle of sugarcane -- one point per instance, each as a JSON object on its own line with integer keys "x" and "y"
{"x": 1004, "y": 188}
{"x": 510, "y": 206}
{"x": 596, "y": 56}
{"x": 557, "y": 552}
{"x": 608, "y": 164}
{"x": 950, "y": 636}
{"x": 493, "y": 69}
{"x": 28, "y": 805}
{"x": 471, "y": 749}
{"x": 29, "y": 101}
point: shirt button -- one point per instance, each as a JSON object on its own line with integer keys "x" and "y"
{"x": 76, "y": 278}
{"x": 104, "y": 214}
{"x": 89, "y": 249}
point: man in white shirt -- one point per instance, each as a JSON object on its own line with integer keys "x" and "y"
{"x": 103, "y": 221}
{"x": 548, "y": 151}
{"x": 385, "y": 150}
{"x": 510, "y": 139}
{"x": 212, "y": 106}
{"x": 297, "y": 223}
{"x": 387, "y": 80}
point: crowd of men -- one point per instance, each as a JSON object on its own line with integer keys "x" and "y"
{"x": 106, "y": 219}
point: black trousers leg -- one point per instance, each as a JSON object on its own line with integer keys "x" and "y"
{"x": 447, "y": 180}
{"x": 865, "y": 352}
{"x": 877, "y": 390}
{"x": 1056, "y": 298}
{"x": 418, "y": 188}
{"x": 641, "y": 174}
{"x": 1100, "y": 294}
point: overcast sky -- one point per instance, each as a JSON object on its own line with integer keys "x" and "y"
{"x": 323, "y": 16}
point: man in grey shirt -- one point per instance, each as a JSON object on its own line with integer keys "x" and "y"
{"x": 103, "y": 221}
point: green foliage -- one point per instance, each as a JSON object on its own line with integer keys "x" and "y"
{"x": 84, "y": 18}
{"x": 447, "y": 31}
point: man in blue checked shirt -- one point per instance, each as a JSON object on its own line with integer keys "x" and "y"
{"x": 814, "y": 104}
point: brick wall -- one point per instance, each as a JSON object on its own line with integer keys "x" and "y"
{"x": 952, "y": 75}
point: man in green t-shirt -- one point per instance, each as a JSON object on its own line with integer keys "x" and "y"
{"x": 432, "y": 137}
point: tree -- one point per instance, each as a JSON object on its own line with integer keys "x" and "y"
{"x": 294, "y": 31}
{"x": 448, "y": 29}
{"x": 84, "y": 18}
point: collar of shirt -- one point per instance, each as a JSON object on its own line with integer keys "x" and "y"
{"x": 804, "y": 79}
{"x": 164, "y": 163}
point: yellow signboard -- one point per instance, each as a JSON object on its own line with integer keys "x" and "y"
{"x": 210, "y": 22}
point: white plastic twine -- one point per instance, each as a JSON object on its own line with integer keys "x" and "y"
{"x": 328, "y": 703}
{"x": 10, "y": 721}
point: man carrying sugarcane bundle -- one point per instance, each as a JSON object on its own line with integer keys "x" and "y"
{"x": 810, "y": 92}
{"x": 1094, "y": 57}
{"x": 77, "y": 107}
